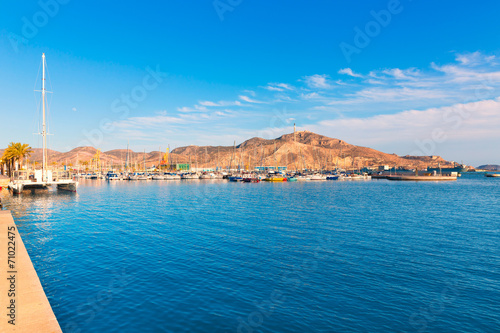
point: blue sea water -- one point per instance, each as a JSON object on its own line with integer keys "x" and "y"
{"x": 214, "y": 256}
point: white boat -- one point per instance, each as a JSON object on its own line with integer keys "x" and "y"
{"x": 317, "y": 177}
{"x": 44, "y": 178}
{"x": 113, "y": 176}
{"x": 190, "y": 176}
{"x": 139, "y": 176}
{"x": 172, "y": 176}
{"x": 211, "y": 175}
{"x": 159, "y": 177}
{"x": 303, "y": 178}
{"x": 354, "y": 176}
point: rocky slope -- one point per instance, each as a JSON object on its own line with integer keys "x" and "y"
{"x": 304, "y": 150}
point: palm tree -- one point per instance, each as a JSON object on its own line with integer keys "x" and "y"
{"x": 9, "y": 157}
{"x": 22, "y": 151}
{"x": 15, "y": 152}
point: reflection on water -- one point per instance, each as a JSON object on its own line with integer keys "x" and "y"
{"x": 41, "y": 201}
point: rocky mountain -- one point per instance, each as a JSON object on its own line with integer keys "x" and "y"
{"x": 489, "y": 167}
{"x": 303, "y": 149}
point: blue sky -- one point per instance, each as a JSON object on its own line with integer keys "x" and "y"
{"x": 404, "y": 77}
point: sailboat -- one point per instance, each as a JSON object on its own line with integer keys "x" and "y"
{"x": 44, "y": 178}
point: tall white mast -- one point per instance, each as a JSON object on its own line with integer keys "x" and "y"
{"x": 44, "y": 132}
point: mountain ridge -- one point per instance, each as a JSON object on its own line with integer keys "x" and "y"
{"x": 297, "y": 150}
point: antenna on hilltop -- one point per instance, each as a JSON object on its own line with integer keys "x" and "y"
{"x": 294, "y": 132}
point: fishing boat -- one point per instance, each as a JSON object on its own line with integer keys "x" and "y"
{"x": 493, "y": 175}
{"x": 332, "y": 177}
{"x": 44, "y": 178}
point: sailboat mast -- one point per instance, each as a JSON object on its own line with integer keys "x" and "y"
{"x": 44, "y": 133}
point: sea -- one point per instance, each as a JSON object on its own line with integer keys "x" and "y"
{"x": 217, "y": 256}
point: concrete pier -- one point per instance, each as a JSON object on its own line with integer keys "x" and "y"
{"x": 23, "y": 300}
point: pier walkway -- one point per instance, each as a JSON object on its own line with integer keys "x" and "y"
{"x": 23, "y": 300}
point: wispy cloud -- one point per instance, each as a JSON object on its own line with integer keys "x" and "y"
{"x": 220, "y": 103}
{"x": 196, "y": 108}
{"x": 250, "y": 100}
{"x": 474, "y": 59}
{"x": 406, "y": 74}
{"x": 349, "y": 72}
{"x": 318, "y": 81}
{"x": 278, "y": 87}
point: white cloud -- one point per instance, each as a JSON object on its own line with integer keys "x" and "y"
{"x": 196, "y": 108}
{"x": 274, "y": 88}
{"x": 278, "y": 87}
{"x": 400, "y": 74}
{"x": 208, "y": 103}
{"x": 457, "y": 123}
{"x": 283, "y": 85}
{"x": 318, "y": 81}
{"x": 349, "y": 72}
{"x": 250, "y": 100}
{"x": 457, "y": 74}
{"x": 474, "y": 59}
{"x": 312, "y": 95}
{"x": 220, "y": 103}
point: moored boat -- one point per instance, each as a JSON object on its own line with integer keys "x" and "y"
{"x": 317, "y": 177}
{"x": 493, "y": 175}
{"x": 431, "y": 178}
{"x": 44, "y": 178}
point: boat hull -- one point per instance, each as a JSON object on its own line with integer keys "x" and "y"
{"x": 423, "y": 178}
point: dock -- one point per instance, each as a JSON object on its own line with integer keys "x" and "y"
{"x": 25, "y": 307}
